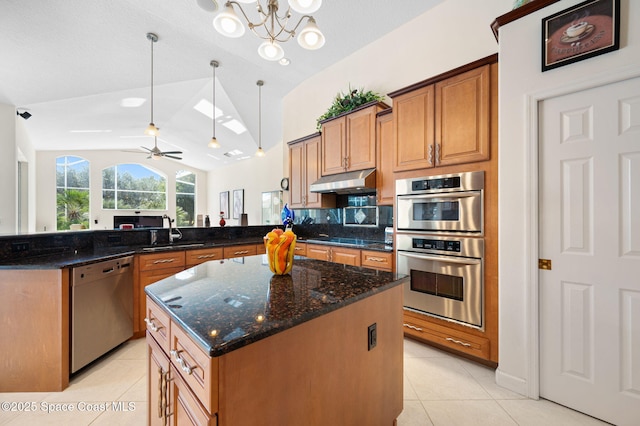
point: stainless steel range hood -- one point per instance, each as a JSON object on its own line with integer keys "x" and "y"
{"x": 346, "y": 183}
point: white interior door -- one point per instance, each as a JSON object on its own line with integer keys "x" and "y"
{"x": 590, "y": 230}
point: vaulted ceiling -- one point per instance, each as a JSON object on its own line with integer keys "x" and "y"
{"x": 71, "y": 63}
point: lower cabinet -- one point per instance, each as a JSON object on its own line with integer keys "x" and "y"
{"x": 418, "y": 326}
{"x": 377, "y": 260}
{"x": 346, "y": 256}
{"x": 240, "y": 251}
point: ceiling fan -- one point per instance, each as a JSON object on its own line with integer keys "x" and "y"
{"x": 156, "y": 153}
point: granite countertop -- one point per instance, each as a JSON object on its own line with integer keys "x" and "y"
{"x": 74, "y": 258}
{"x": 227, "y": 304}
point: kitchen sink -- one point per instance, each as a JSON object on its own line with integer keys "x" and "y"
{"x": 171, "y": 247}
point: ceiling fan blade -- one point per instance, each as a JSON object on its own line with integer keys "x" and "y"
{"x": 172, "y": 152}
{"x": 172, "y": 156}
{"x": 145, "y": 148}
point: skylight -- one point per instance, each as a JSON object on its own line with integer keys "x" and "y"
{"x": 235, "y": 126}
{"x": 206, "y": 108}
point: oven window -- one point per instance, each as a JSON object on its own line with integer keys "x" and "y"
{"x": 436, "y": 210}
{"x": 448, "y": 286}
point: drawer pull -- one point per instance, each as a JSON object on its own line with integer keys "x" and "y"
{"x": 151, "y": 324}
{"x": 458, "y": 342}
{"x": 206, "y": 256}
{"x": 183, "y": 365}
{"x": 241, "y": 252}
{"x": 376, "y": 259}
{"x": 413, "y": 327}
{"x": 164, "y": 261}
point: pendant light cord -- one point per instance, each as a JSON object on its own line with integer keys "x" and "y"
{"x": 214, "y": 66}
{"x": 260, "y": 83}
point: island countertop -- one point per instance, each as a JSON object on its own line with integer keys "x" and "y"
{"x": 225, "y": 305}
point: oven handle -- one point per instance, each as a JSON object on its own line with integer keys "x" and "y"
{"x": 458, "y": 195}
{"x": 448, "y": 259}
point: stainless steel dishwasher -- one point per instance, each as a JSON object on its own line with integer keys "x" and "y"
{"x": 101, "y": 309}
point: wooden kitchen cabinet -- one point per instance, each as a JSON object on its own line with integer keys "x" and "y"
{"x": 349, "y": 140}
{"x": 377, "y": 260}
{"x": 300, "y": 249}
{"x": 304, "y": 169}
{"x": 346, "y": 256}
{"x": 385, "y": 180}
{"x": 445, "y": 120}
{"x": 195, "y": 257}
{"x": 240, "y": 251}
{"x": 150, "y": 268}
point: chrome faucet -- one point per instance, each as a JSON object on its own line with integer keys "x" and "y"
{"x": 172, "y": 235}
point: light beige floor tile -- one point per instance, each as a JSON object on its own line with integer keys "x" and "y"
{"x": 134, "y": 415}
{"x": 107, "y": 381}
{"x": 54, "y": 418}
{"x": 442, "y": 379}
{"x": 132, "y": 349}
{"x": 414, "y": 349}
{"x": 137, "y": 392}
{"x": 486, "y": 376}
{"x": 530, "y": 412}
{"x": 408, "y": 392}
{"x": 18, "y": 403}
{"x": 413, "y": 414}
{"x": 476, "y": 413}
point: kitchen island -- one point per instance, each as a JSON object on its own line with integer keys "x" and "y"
{"x": 232, "y": 344}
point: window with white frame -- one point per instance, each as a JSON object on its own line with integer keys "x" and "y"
{"x": 72, "y": 192}
{"x": 133, "y": 187}
{"x": 185, "y": 198}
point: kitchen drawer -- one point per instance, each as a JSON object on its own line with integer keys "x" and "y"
{"x": 161, "y": 260}
{"x": 346, "y": 256}
{"x": 195, "y": 257}
{"x": 158, "y": 324}
{"x": 261, "y": 249}
{"x": 460, "y": 341}
{"x": 377, "y": 260}
{"x": 196, "y": 367}
{"x": 239, "y": 251}
{"x": 301, "y": 249}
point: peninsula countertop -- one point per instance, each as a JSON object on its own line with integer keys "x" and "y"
{"x": 227, "y": 304}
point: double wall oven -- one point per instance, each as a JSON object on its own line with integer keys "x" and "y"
{"x": 440, "y": 245}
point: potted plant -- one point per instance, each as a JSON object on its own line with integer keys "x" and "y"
{"x": 347, "y": 102}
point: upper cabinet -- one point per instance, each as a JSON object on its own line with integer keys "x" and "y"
{"x": 443, "y": 122}
{"x": 304, "y": 169}
{"x": 385, "y": 180}
{"x": 349, "y": 141}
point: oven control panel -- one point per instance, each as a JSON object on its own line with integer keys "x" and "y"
{"x": 441, "y": 245}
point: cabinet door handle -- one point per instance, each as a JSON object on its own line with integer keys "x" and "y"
{"x": 458, "y": 342}
{"x": 151, "y": 324}
{"x": 430, "y": 155}
{"x": 206, "y": 256}
{"x": 437, "y": 153}
{"x": 183, "y": 365}
{"x": 164, "y": 261}
{"x": 376, "y": 259}
{"x": 161, "y": 398}
{"x": 241, "y": 252}
{"x": 413, "y": 327}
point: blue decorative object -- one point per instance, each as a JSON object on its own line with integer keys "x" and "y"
{"x": 287, "y": 216}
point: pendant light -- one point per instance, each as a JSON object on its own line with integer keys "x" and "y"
{"x": 260, "y": 151}
{"x": 151, "y": 129}
{"x": 213, "y": 143}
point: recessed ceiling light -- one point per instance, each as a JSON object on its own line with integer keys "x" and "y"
{"x": 206, "y": 108}
{"x": 132, "y": 102}
{"x": 90, "y": 131}
{"x": 284, "y": 61}
{"x": 235, "y": 126}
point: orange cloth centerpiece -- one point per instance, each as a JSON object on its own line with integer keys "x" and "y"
{"x": 280, "y": 247}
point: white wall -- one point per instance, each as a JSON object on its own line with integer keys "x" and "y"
{"x": 255, "y": 175}
{"x": 521, "y": 82}
{"x": 25, "y": 152}
{"x": 98, "y": 160}
{"x": 8, "y": 169}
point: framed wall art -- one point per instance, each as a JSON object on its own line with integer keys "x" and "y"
{"x": 582, "y": 31}
{"x": 238, "y": 203}
{"x": 224, "y": 204}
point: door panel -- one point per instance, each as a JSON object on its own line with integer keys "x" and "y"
{"x": 590, "y": 229}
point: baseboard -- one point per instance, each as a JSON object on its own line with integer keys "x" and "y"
{"x": 513, "y": 383}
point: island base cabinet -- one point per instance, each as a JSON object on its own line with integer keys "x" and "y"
{"x": 320, "y": 372}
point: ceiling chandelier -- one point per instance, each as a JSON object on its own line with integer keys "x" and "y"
{"x": 272, "y": 27}
{"x": 213, "y": 143}
{"x": 260, "y": 151}
{"x": 151, "y": 129}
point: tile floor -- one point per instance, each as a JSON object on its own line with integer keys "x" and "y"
{"x": 439, "y": 389}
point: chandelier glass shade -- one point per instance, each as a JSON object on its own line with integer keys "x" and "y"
{"x": 151, "y": 129}
{"x": 272, "y": 27}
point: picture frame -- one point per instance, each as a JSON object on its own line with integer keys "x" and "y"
{"x": 224, "y": 204}
{"x": 238, "y": 203}
{"x": 580, "y": 32}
